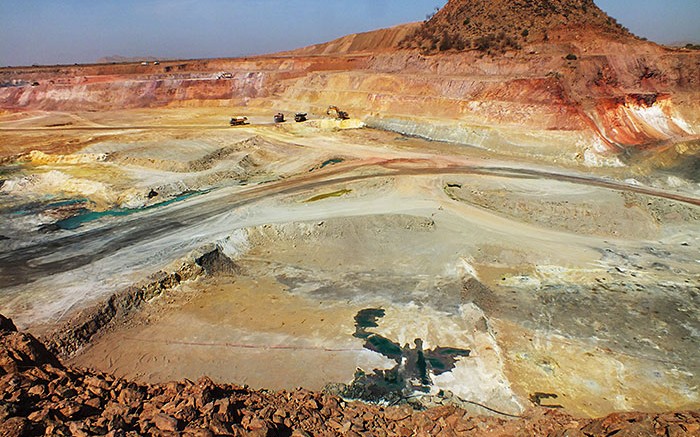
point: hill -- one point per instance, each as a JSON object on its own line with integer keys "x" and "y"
{"x": 372, "y": 41}
{"x": 500, "y": 25}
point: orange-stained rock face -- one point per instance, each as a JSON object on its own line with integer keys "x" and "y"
{"x": 640, "y": 119}
{"x": 100, "y": 87}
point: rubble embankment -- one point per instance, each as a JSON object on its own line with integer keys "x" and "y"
{"x": 41, "y": 396}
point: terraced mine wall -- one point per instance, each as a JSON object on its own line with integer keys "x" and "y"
{"x": 644, "y": 98}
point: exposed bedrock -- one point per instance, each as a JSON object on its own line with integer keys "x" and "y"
{"x": 216, "y": 262}
{"x": 80, "y": 329}
{"x": 634, "y": 95}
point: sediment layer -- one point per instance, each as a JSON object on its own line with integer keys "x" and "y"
{"x": 610, "y": 95}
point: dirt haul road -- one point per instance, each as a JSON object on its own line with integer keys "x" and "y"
{"x": 26, "y": 264}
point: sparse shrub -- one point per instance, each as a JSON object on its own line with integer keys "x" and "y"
{"x": 571, "y": 57}
{"x": 525, "y": 33}
{"x": 511, "y": 42}
{"x": 430, "y": 16}
{"x": 445, "y": 42}
{"x": 466, "y": 21}
{"x": 484, "y": 43}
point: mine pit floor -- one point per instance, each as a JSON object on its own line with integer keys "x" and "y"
{"x": 579, "y": 283}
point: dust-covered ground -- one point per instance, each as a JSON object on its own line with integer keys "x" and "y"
{"x": 379, "y": 266}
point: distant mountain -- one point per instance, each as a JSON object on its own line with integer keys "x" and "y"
{"x": 126, "y": 59}
{"x": 692, "y": 45}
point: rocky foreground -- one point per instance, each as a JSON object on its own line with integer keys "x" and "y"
{"x": 40, "y": 396}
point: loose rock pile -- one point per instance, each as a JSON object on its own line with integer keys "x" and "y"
{"x": 39, "y": 396}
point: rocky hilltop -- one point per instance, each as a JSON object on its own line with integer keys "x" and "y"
{"x": 41, "y": 396}
{"x": 497, "y": 26}
{"x": 492, "y": 278}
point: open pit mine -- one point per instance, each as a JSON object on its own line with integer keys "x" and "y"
{"x": 489, "y": 223}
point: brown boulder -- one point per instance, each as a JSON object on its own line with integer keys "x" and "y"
{"x": 570, "y": 433}
{"x": 77, "y": 429}
{"x": 204, "y": 391}
{"x": 20, "y": 351}
{"x": 398, "y": 413}
{"x": 6, "y": 324}
{"x": 15, "y": 427}
{"x": 635, "y": 430}
{"x": 165, "y": 423}
{"x": 197, "y": 432}
{"x": 131, "y": 398}
{"x": 218, "y": 427}
{"x": 71, "y": 410}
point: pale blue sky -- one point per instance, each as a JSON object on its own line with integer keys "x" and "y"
{"x": 68, "y": 31}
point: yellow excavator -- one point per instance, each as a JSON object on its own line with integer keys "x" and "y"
{"x": 336, "y": 113}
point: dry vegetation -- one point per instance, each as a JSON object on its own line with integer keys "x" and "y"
{"x": 499, "y": 26}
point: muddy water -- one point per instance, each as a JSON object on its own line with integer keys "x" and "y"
{"x": 87, "y": 216}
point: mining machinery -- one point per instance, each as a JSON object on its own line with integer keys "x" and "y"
{"x": 336, "y": 113}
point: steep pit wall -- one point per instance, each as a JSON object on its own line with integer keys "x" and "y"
{"x": 639, "y": 99}
{"x": 500, "y": 113}
{"x": 104, "y": 86}
{"x": 125, "y": 92}
{"x": 640, "y": 120}
{"x": 627, "y": 95}
{"x": 538, "y": 103}
{"x": 597, "y": 101}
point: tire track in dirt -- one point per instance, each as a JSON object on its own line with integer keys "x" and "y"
{"x": 24, "y": 265}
